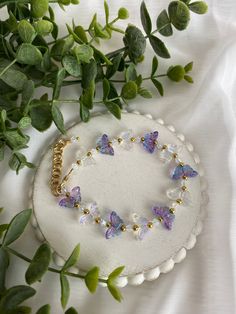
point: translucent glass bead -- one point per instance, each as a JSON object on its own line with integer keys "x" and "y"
{"x": 166, "y": 155}
{"x": 174, "y": 193}
{"x": 75, "y": 166}
{"x": 155, "y": 222}
{"x": 88, "y": 161}
{"x": 186, "y": 197}
{"x": 126, "y": 142}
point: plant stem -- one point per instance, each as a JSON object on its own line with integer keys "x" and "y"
{"x": 6, "y": 68}
{"x": 51, "y": 269}
{"x": 144, "y": 79}
{"x": 54, "y": 41}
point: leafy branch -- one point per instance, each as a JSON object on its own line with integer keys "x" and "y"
{"x": 32, "y": 56}
{"x": 39, "y": 265}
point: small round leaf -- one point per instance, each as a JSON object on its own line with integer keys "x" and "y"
{"x": 199, "y": 7}
{"x": 39, "y": 7}
{"x": 28, "y": 54}
{"x": 176, "y": 73}
{"x": 179, "y": 14}
{"x": 129, "y": 90}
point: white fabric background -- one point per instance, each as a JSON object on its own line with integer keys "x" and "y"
{"x": 205, "y": 111}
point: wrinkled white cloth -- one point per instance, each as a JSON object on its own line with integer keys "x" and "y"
{"x": 205, "y": 112}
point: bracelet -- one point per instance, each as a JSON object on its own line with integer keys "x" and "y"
{"x": 112, "y": 224}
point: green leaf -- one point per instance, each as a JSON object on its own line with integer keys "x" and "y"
{"x": 159, "y": 47}
{"x": 103, "y": 58}
{"x": 24, "y": 123}
{"x": 15, "y": 139}
{"x": 62, "y": 47}
{"x": 158, "y": 86}
{"x": 87, "y": 96}
{"x": 199, "y": 7}
{"x": 74, "y": 35}
{"x": 176, "y": 73}
{"x": 46, "y": 309}
{"x": 163, "y": 24}
{"x": 2, "y": 150}
{"x": 65, "y": 290}
{"x": 113, "y": 68}
{"x": 59, "y": 80}
{"x": 115, "y": 292}
{"x": 116, "y": 273}
{"x": 91, "y": 279}
{"x": 106, "y": 8}
{"x": 19, "y": 161}
{"x": 114, "y": 94}
{"x": 4, "y": 263}
{"x": 130, "y": 73}
{"x": 12, "y": 77}
{"x": 129, "y": 90}
{"x": 135, "y": 42}
{"x": 144, "y": 93}
{"x": 20, "y": 310}
{"x": 71, "y": 65}
{"x": 73, "y": 259}
{"x": 41, "y": 116}
{"x": 27, "y": 92}
{"x": 80, "y": 32}
{"x": 114, "y": 108}
{"x": 26, "y": 31}
{"x": 99, "y": 32}
{"x": 17, "y": 227}
{"x": 3, "y": 228}
{"x": 83, "y": 53}
{"x": 145, "y": 18}
{"x": 15, "y": 296}
{"x": 188, "y": 79}
{"x": 154, "y": 65}
{"x": 84, "y": 113}
{"x": 58, "y": 118}
{"x": 106, "y": 88}
{"x": 39, "y": 8}
{"x": 28, "y": 54}
{"x": 188, "y": 67}
{"x": 43, "y": 27}
{"x": 39, "y": 265}
{"x": 179, "y": 14}
{"x": 89, "y": 72}
{"x": 71, "y": 310}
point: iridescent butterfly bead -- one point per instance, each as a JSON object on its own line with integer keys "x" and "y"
{"x": 169, "y": 152}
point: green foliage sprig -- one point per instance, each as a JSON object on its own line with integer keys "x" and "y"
{"x": 11, "y": 298}
{"x": 32, "y": 56}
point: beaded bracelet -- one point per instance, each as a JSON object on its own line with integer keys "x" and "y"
{"x": 112, "y": 224}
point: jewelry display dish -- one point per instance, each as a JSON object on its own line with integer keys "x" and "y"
{"x": 137, "y": 169}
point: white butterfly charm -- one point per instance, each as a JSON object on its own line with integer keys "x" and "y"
{"x": 179, "y": 193}
{"x": 142, "y": 224}
{"x": 88, "y": 213}
{"x": 126, "y": 142}
{"x": 166, "y": 155}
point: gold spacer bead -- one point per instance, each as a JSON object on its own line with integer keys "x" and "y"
{"x": 184, "y": 188}
{"x": 98, "y": 220}
{"x": 142, "y": 139}
{"x": 109, "y": 143}
{"x": 98, "y": 148}
{"x": 179, "y": 201}
{"x": 175, "y": 155}
{"x": 184, "y": 177}
{"x": 123, "y": 228}
{"x": 135, "y": 227}
{"x": 77, "y": 205}
{"x": 150, "y": 224}
{"x": 89, "y": 154}
{"x": 108, "y": 224}
{"x": 86, "y": 211}
{"x": 77, "y": 137}
{"x": 67, "y": 194}
{"x": 164, "y": 147}
{"x": 119, "y": 140}
{"x": 155, "y": 142}
{"x": 172, "y": 210}
{"x": 181, "y": 164}
{"x": 133, "y": 139}
{"x": 160, "y": 219}
{"x": 78, "y": 162}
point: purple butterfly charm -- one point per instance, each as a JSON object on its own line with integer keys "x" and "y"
{"x": 73, "y": 198}
{"x": 89, "y": 213}
{"x": 183, "y": 170}
{"x": 104, "y": 145}
{"x": 115, "y": 226}
{"x": 149, "y": 142}
{"x": 163, "y": 212}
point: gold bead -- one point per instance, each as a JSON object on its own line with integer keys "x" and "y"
{"x": 175, "y": 155}
{"x": 77, "y": 137}
{"x": 78, "y": 162}
{"x": 108, "y": 224}
{"x": 133, "y": 139}
{"x": 172, "y": 210}
{"x": 179, "y": 201}
{"x": 86, "y": 211}
{"x": 160, "y": 219}
{"x": 89, "y": 154}
{"x": 142, "y": 139}
{"x": 67, "y": 194}
{"x": 98, "y": 220}
{"x": 98, "y": 148}
{"x": 164, "y": 147}
{"x": 150, "y": 224}
{"x": 181, "y": 164}
{"x": 77, "y": 205}
{"x": 155, "y": 142}
{"x": 135, "y": 227}
{"x": 109, "y": 143}
{"x": 184, "y": 188}
{"x": 123, "y": 228}
{"x": 184, "y": 177}
{"x": 119, "y": 140}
